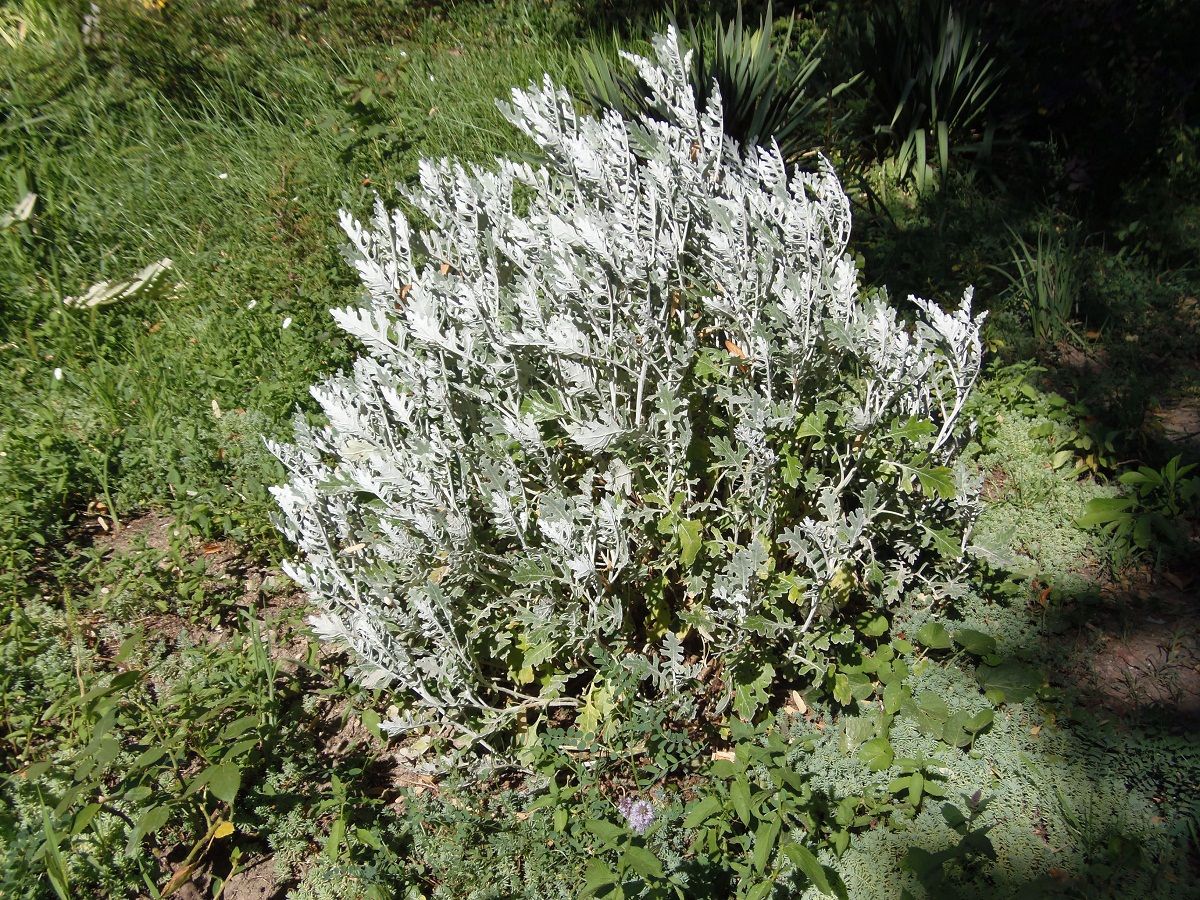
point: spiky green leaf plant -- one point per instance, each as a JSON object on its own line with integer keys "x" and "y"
{"x": 932, "y": 78}
{"x": 766, "y": 94}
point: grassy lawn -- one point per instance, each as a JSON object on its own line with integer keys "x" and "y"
{"x": 169, "y": 725}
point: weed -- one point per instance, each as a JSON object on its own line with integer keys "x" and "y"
{"x": 1045, "y": 282}
{"x": 1152, "y": 517}
{"x": 932, "y": 77}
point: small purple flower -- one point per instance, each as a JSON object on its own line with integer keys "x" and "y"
{"x": 639, "y": 814}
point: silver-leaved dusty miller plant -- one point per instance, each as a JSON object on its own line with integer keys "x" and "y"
{"x": 627, "y": 402}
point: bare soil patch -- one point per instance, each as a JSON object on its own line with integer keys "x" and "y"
{"x": 1140, "y": 652}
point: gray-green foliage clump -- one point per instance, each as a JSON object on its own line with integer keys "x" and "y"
{"x": 625, "y": 402}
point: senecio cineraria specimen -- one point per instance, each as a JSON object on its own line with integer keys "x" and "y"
{"x": 626, "y": 403}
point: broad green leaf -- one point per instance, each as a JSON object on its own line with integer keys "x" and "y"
{"x": 37, "y": 770}
{"x": 642, "y": 861}
{"x": 804, "y": 860}
{"x": 238, "y": 727}
{"x": 955, "y": 731}
{"x": 84, "y": 817}
{"x": 739, "y": 794}
{"x": 333, "y": 843}
{"x": 874, "y": 626}
{"x": 702, "y": 811}
{"x": 598, "y": 875}
{"x": 934, "y": 705}
{"x": 841, "y": 689}
{"x": 764, "y": 844}
{"x": 944, "y": 542}
{"x": 934, "y": 636}
{"x": 749, "y": 696}
{"x": 894, "y": 695}
{"x": 148, "y": 758}
{"x": 151, "y": 820}
{"x": 979, "y": 721}
{"x": 724, "y": 768}
{"x": 224, "y": 779}
{"x": 369, "y": 837}
{"x": 861, "y": 686}
{"x": 916, "y": 788}
{"x": 937, "y": 481}
{"x": 606, "y": 831}
{"x": 1014, "y": 681}
{"x": 1103, "y": 510}
{"x": 975, "y": 642}
{"x": 107, "y": 750}
{"x": 914, "y": 429}
{"x": 370, "y": 721}
{"x": 877, "y": 754}
{"x": 859, "y": 730}
{"x": 811, "y": 426}
{"x": 690, "y": 540}
{"x": 1062, "y": 458}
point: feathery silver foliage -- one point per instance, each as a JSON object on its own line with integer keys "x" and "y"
{"x": 629, "y": 397}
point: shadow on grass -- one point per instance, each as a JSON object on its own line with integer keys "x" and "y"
{"x": 1095, "y": 647}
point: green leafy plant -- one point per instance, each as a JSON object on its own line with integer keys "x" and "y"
{"x": 932, "y": 77}
{"x": 744, "y": 828}
{"x": 369, "y": 119}
{"x": 1152, "y": 517}
{"x": 973, "y": 846}
{"x": 1045, "y": 282}
{"x": 131, "y": 766}
{"x": 748, "y": 820}
{"x": 766, "y": 94}
{"x": 634, "y": 869}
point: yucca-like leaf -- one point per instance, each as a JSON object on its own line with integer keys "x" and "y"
{"x": 766, "y": 95}
{"x": 932, "y": 77}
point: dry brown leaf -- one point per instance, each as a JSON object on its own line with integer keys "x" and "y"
{"x": 796, "y": 704}
{"x": 180, "y": 878}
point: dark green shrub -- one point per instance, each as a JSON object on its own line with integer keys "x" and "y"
{"x": 931, "y": 80}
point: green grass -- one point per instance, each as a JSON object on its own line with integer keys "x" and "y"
{"x": 225, "y": 137}
{"x": 240, "y": 188}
